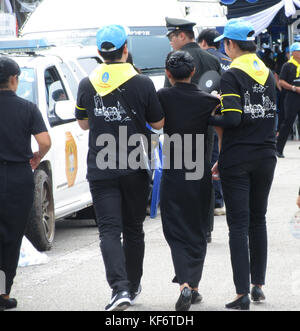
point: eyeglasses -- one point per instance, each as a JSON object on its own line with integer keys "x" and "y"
{"x": 172, "y": 35}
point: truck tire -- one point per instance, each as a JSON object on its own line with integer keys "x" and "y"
{"x": 41, "y": 225}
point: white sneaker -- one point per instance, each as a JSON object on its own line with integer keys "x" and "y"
{"x": 219, "y": 211}
{"x": 120, "y": 301}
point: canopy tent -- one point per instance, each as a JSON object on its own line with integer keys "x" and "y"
{"x": 260, "y": 12}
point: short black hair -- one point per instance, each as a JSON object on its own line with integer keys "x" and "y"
{"x": 8, "y": 67}
{"x": 180, "y": 64}
{"x": 245, "y": 46}
{"x": 209, "y": 35}
{"x": 114, "y": 55}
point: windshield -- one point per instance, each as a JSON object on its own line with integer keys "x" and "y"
{"x": 27, "y": 86}
{"x": 148, "y": 45}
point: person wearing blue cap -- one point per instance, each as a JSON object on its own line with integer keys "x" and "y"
{"x": 289, "y": 80}
{"x": 247, "y": 158}
{"x": 112, "y": 100}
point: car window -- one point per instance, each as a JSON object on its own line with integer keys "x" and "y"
{"x": 55, "y": 92}
{"x": 27, "y": 85}
{"x": 71, "y": 79}
{"x": 89, "y": 63}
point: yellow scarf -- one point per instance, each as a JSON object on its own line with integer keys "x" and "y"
{"x": 252, "y": 66}
{"x": 295, "y": 63}
{"x": 108, "y": 77}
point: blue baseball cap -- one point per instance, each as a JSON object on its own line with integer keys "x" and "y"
{"x": 114, "y": 34}
{"x": 295, "y": 47}
{"x": 237, "y": 29}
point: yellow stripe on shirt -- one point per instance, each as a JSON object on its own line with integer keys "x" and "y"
{"x": 80, "y": 108}
{"x": 238, "y": 110}
{"x": 230, "y": 95}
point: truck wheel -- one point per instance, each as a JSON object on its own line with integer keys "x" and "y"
{"x": 41, "y": 225}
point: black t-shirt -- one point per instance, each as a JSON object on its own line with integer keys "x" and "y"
{"x": 288, "y": 73}
{"x": 106, "y": 115}
{"x": 187, "y": 110}
{"x": 19, "y": 120}
{"x": 254, "y": 137}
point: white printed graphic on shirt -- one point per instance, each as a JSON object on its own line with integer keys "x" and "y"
{"x": 110, "y": 113}
{"x": 265, "y": 110}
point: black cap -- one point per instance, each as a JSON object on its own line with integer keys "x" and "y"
{"x": 175, "y": 24}
{"x": 8, "y": 67}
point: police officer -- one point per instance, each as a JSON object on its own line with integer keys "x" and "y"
{"x": 247, "y": 158}
{"x": 19, "y": 120}
{"x": 289, "y": 80}
{"x": 206, "y": 41}
{"x": 182, "y": 37}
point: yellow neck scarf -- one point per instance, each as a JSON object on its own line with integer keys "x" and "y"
{"x": 108, "y": 77}
{"x": 295, "y": 63}
{"x": 252, "y": 66}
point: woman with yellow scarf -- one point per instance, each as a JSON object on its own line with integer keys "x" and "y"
{"x": 290, "y": 81}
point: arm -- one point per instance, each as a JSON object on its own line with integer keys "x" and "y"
{"x": 158, "y": 125}
{"x": 84, "y": 124}
{"x": 298, "y": 200}
{"x": 288, "y": 86}
{"x": 229, "y": 120}
{"x": 44, "y": 142}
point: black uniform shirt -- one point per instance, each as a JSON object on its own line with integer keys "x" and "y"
{"x": 254, "y": 137}
{"x": 187, "y": 110}
{"x": 224, "y": 60}
{"x": 203, "y": 62}
{"x": 288, "y": 73}
{"x": 106, "y": 115}
{"x": 19, "y": 120}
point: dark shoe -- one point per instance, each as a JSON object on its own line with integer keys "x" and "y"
{"x": 208, "y": 237}
{"x": 120, "y": 301}
{"x": 243, "y": 303}
{"x": 134, "y": 294}
{"x": 8, "y": 303}
{"x": 184, "y": 301}
{"x": 196, "y": 297}
{"x": 280, "y": 155}
{"x": 257, "y": 294}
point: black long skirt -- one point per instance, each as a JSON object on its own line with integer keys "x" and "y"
{"x": 184, "y": 210}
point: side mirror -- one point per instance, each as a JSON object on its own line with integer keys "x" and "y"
{"x": 65, "y": 109}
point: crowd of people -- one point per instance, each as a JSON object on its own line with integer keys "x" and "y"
{"x": 239, "y": 153}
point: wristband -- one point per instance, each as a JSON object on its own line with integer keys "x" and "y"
{"x": 294, "y": 88}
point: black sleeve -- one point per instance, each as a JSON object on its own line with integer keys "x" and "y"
{"x": 80, "y": 109}
{"x": 285, "y": 73}
{"x": 227, "y": 121}
{"x": 37, "y": 122}
{"x": 154, "y": 111}
{"x": 230, "y": 94}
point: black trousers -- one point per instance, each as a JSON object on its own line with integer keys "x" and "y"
{"x": 120, "y": 206}
{"x": 292, "y": 109}
{"x": 16, "y": 198}
{"x": 246, "y": 189}
{"x": 184, "y": 209}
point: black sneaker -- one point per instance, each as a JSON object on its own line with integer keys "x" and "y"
{"x": 8, "y": 303}
{"x": 280, "y": 155}
{"x": 120, "y": 301}
{"x": 134, "y": 295}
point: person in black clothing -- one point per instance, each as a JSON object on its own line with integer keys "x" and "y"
{"x": 182, "y": 37}
{"x": 289, "y": 80}
{"x": 206, "y": 41}
{"x": 120, "y": 192}
{"x": 185, "y": 203}
{"x": 19, "y": 120}
{"x": 247, "y": 158}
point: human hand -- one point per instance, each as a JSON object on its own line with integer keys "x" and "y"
{"x": 298, "y": 201}
{"x": 215, "y": 172}
{"x": 35, "y": 161}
